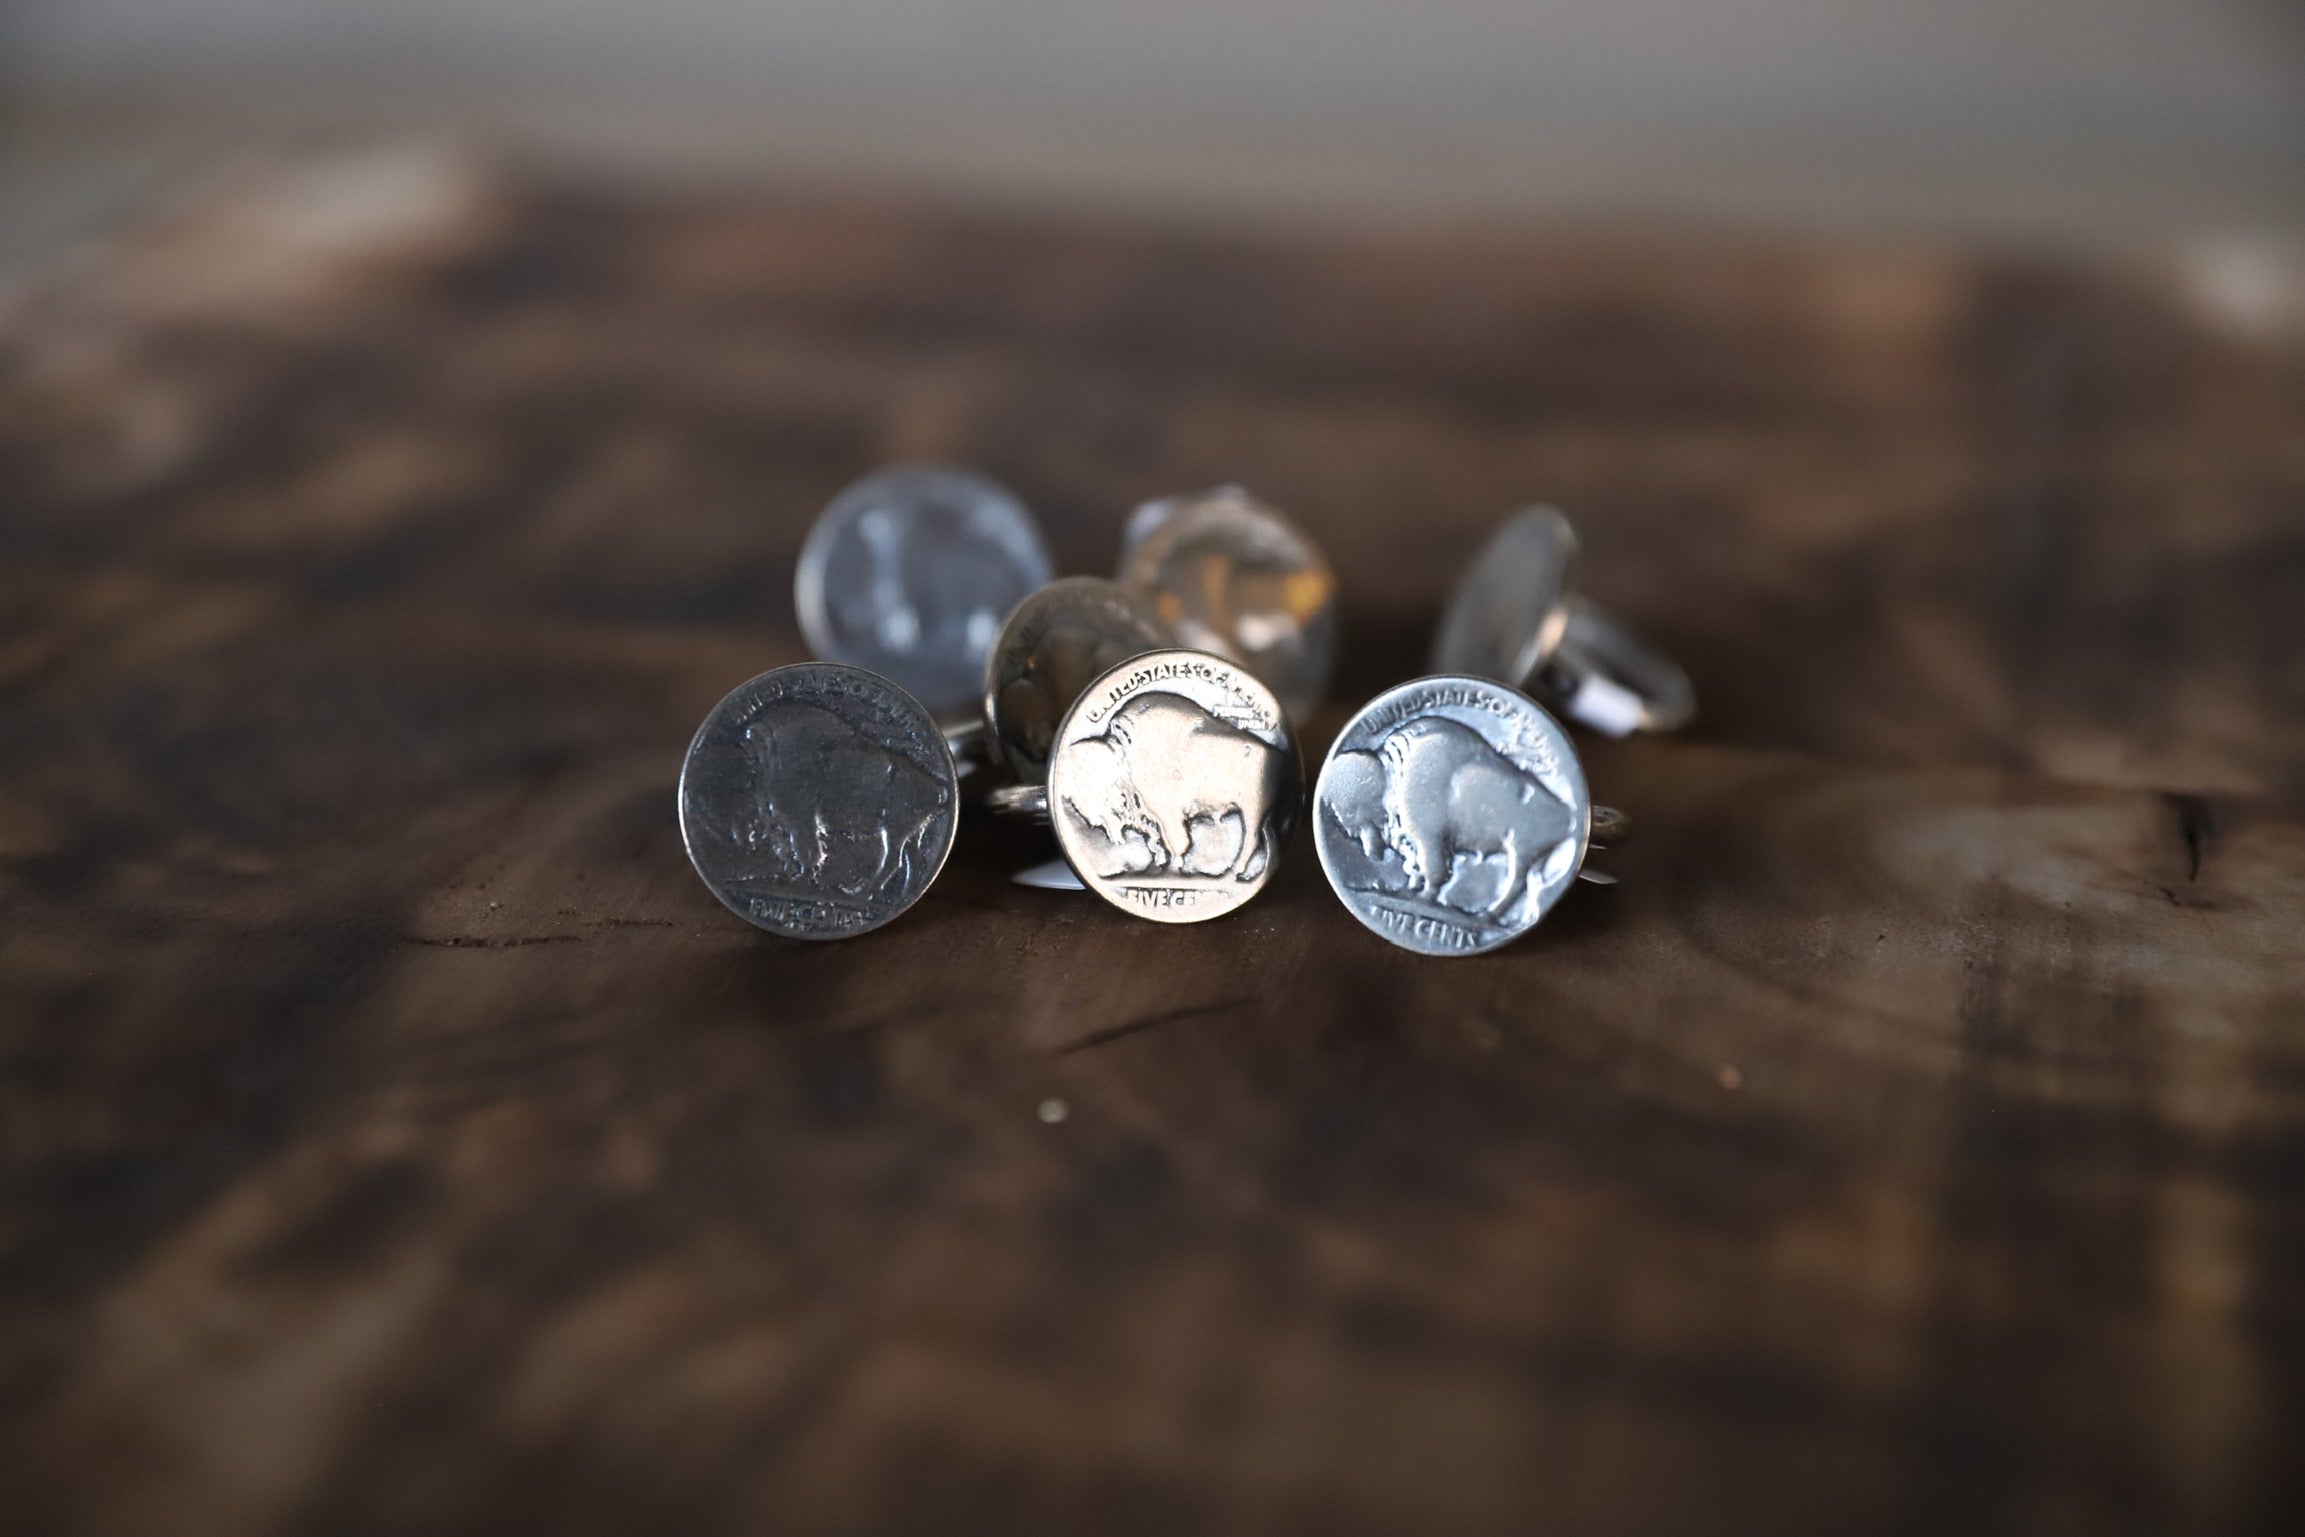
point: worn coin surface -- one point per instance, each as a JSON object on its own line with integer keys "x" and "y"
{"x": 1451, "y": 814}
{"x": 1229, "y": 574}
{"x": 1504, "y": 617}
{"x": 1053, "y": 646}
{"x": 910, "y": 572}
{"x": 818, "y": 801}
{"x": 1175, "y": 785}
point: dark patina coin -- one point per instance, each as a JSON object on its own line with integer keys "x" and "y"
{"x": 818, "y": 801}
{"x": 1053, "y": 646}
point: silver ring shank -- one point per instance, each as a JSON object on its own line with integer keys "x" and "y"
{"x": 1610, "y": 679}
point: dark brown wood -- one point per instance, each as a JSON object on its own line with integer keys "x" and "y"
{"x": 395, "y": 1137}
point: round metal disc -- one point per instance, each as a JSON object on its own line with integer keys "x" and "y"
{"x": 1228, "y": 574}
{"x": 1505, "y": 618}
{"x": 818, "y": 801}
{"x": 909, "y": 572}
{"x": 1175, "y": 786}
{"x": 1451, "y": 814}
{"x": 1054, "y": 645}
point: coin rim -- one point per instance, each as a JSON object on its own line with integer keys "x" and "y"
{"x": 1203, "y": 506}
{"x": 951, "y": 774}
{"x": 1572, "y": 758}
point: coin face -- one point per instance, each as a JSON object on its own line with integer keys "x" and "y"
{"x": 1451, "y": 814}
{"x": 1054, "y": 645}
{"x": 1505, "y": 616}
{"x": 818, "y": 801}
{"x": 910, "y": 571}
{"x": 1175, "y": 786}
{"x": 1228, "y": 574}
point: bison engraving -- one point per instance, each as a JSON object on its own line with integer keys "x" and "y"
{"x": 837, "y": 811}
{"x": 1164, "y": 763}
{"x": 1433, "y": 790}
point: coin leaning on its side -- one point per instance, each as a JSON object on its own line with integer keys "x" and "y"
{"x": 1174, "y": 786}
{"x": 818, "y": 801}
{"x": 1055, "y": 643}
{"x": 1451, "y": 814}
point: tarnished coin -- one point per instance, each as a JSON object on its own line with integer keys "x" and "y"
{"x": 1175, "y": 785}
{"x": 1505, "y": 618}
{"x": 1228, "y": 574}
{"x": 910, "y": 571}
{"x": 1053, "y": 646}
{"x": 818, "y": 801}
{"x": 1451, "y": 814}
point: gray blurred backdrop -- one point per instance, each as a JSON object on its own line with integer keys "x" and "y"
{"x": 2025, "y": 118}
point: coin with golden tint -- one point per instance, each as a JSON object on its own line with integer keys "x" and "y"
{"x": 1229, "y": 574}
{"x": 1174, "y": 786}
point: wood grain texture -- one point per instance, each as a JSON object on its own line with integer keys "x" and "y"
{"x": 395, "y": 1137}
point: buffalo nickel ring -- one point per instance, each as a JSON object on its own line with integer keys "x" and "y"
{"x": 1174, "y": 786}
{"x": 1055, "y": 643}
{"x": 1513, "y": 618}
{"x": 818, "y": 801}
{"x": 1229, "y": 574}
{"x": 910, "y": 571}
{"x": 1452, "y": 813}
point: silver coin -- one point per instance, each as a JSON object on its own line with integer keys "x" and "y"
{"x": 1175, "y": 786}
{"x": 1504, "y": 619}
{"x": 818, "y": 801}
{"x": 910, "y": 571}
{"x": 1054, "y": 645}
{"x": 1227, "y": 573}
{"x": 1451, "y": 814}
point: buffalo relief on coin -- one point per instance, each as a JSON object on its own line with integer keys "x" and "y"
{"x": 1054, "y": 645}
{"x": 1451, "y": 814}
{"x": 1174, "y": 786}
{"x": 818, "y": 801}
{"x": 1229, "y": 574}
{"x": 910, "y": 571}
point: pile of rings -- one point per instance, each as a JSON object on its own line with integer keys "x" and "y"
{"x": 1149, "y": 722}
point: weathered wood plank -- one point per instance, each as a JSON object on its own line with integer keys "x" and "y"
{"x": 394, "y": 1136}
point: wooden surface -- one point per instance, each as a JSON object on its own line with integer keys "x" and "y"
{"x": 396, "y": 1137}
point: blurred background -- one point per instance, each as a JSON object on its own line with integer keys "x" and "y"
{"x": 2096, "y": 120}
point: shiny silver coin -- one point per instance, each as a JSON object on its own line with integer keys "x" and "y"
{"x": 1175, "y": 785}
{"x": 818, "y": 801}
{"x": 1513, "y": 618}
{"x": 910, "y": 571}
{"x": 1451, "y": 814}
{"x": 1228, "y": 574}
{"x": 1054, "y": 645}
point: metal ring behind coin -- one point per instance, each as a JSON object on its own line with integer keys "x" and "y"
{"x": 1055, "y": 644}
{"x": 1451, "y": 814}
{"x": 1229, "y": 574}
{"x": 1175, "y": 785}
{"x": 910, "y": 571}
{"x": 1513, "y": 617}
{"x": 818, "y": 801}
